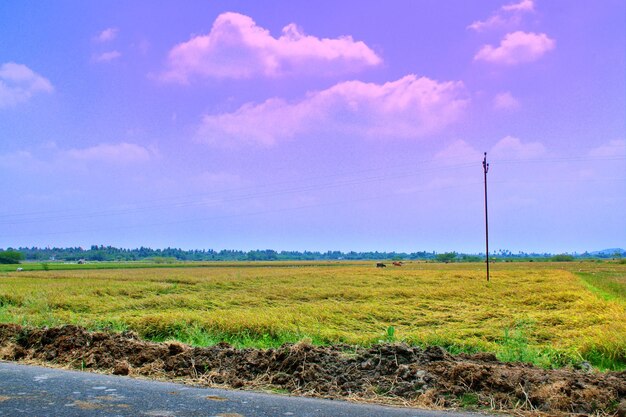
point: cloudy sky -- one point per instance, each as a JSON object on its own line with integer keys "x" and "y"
{"x": 298, "y": 125}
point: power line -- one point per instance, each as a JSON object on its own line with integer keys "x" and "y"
{"x": 195, "y": 202}
{"x": 229, "y": 216}
{"x": 256, "y": 187}
{"x": 150, "y": 204}
{"x": 307, "y": 188}
{"x": 263, "y": 212}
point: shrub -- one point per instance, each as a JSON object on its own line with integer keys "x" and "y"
{"x": 446, "y": 257}
{"x": 10, "y": 257}
{"x": 562, "y": 258}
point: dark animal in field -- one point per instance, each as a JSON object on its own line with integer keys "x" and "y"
{"x": 381, "y": 265}
{"x": 397, "y": 264}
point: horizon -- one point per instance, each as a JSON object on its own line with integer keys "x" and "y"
{"x": 498, "y": 252}
{"x": 294, "y": 125}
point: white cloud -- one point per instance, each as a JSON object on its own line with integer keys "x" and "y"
{"x": 506, "y": 17}
{"x": 505, "y": 101}
{"x": 522, "y": 6}
{"x": 18, "y": 84}
{"x": 615, "y": 147}
{"x": 120, "y": 153}
{"x": 508, "y": 147}
{"x": 237, "y": 48}
{"x": 106, "y": 56}
{"x": 107, "y": 35}
{"x": 457, "y": 152}
{"x": 108, "y": 159}
{"x": 516, "y": 48}
{"x": 492, "y": 22}
{"x": 15, "y": 159}
{"x": 410, "y": 107}
{"x": 511, "y": 147}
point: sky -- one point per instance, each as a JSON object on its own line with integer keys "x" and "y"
{"x": 298, "y": 125}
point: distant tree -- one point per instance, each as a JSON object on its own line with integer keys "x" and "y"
{"x": 446, "y": 257}
{"x": 162, "y": 259}
{"x": 10, "y": 257}
{"x": 471, "y": 258}
{"x": 562, "y": 258}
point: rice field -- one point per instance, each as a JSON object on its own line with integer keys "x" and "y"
{"x": 551, "y": 314}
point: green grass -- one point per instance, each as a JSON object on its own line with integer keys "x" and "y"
{"x": 608, "y": 281}
{"x": 469, "y": 400}
{"x": 72, "y": 266}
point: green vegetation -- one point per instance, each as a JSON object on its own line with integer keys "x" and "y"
{"x": 111, "y": 254}
{"x": 65, "y": 266}
{"x": 391, "y": 334}
{"x": 10, "y": 257}
{"x": 100, "y": 253}
{"x": 562, "y": 258}
{"x": 606, "y": 280}
{"x": 469, "y": 400}
{"x": 542, "y": 312}
{"x": 446, "y": 257}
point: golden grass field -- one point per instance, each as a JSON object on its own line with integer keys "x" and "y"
{"x": 547, "y": 313}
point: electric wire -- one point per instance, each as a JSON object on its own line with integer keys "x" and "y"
{"x": 147, "y": 206}
{"x": 293, "y": 190}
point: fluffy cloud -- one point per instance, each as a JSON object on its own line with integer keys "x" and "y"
{"x": 505, "y": 101}
{"x": 493, "y": 21}
{"x": 106, "y": 56}
{"x": 615, "y": 147}
{"x": 237, "y": 48}
{"x": 18, "y": 83}
{"x": 47, "y": 160}
{"x": 507, "y": 148}
{"x": 457, "y": 152}
{"x": 120, "y": 153}
{"x": 510, "y": 147}
{"x": 17, "y": 159}
{"x": 410, "y": 107}
{"x": 522, "y": 6}
{"x": 508, "y": 15}
{"x": 516, "y": 48}
{"x": 106, "y": 35}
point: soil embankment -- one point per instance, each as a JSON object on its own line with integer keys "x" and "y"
{"x": 386, "y": 373}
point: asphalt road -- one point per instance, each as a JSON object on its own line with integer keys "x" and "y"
{"x": 36, "y": 391}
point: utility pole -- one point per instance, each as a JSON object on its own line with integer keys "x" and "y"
{"x": 485, "y": 170}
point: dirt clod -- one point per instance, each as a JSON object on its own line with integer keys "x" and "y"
{"x": 390, "y": 373}
{"x": 121, "y": 368}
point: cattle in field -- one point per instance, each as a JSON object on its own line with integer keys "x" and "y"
{"x": 381, "y": 265}
{"x": 397, "y": 264}
{"x": 20, "y": 269}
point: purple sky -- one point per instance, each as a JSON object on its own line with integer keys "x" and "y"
{"x": 322, "y": 125}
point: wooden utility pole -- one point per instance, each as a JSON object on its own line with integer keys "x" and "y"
{"x": 485, "y": 170}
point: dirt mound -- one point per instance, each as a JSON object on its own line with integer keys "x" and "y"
{"x": 395, "y": 373}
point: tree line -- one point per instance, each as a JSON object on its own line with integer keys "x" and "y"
{"x": 110, "y": 253}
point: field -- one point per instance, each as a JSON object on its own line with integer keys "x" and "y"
{"x": 551, "y": 314}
